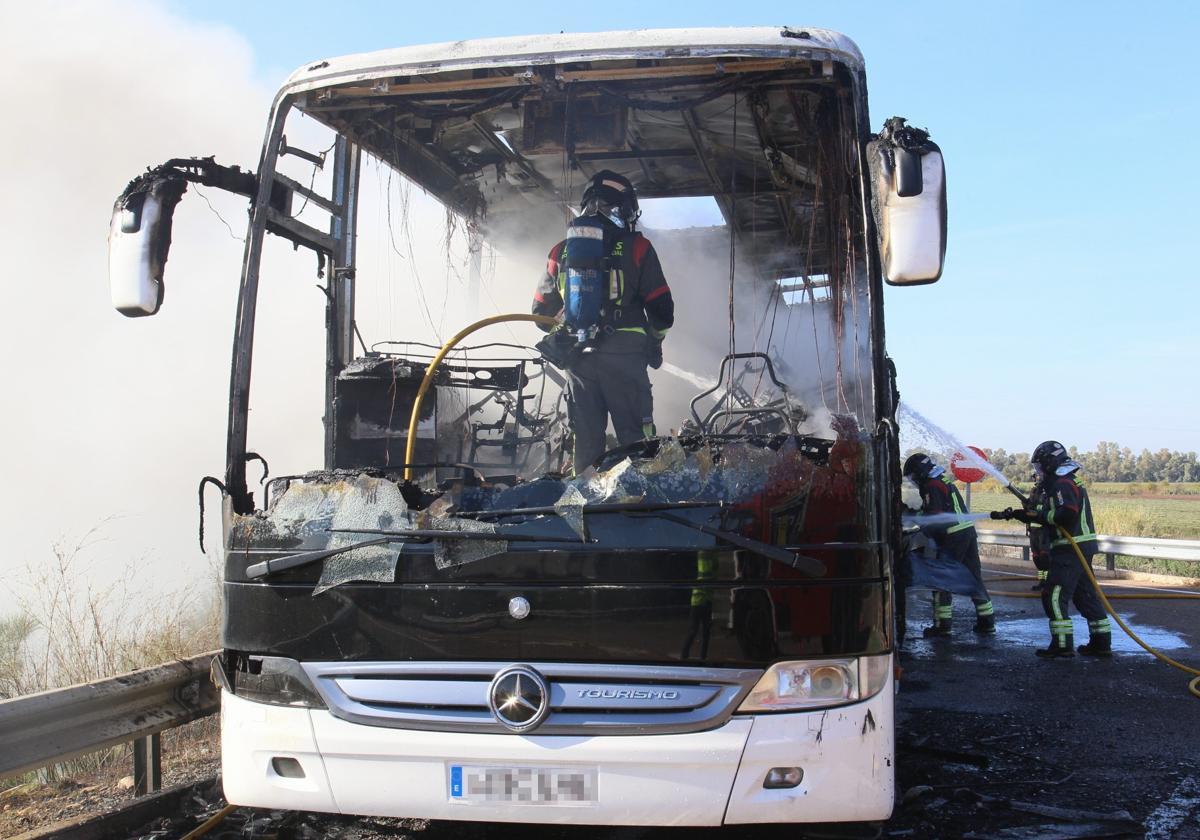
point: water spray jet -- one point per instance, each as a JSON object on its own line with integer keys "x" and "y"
{"x": 929, "y": 436}
{"x": 936, "y": 519}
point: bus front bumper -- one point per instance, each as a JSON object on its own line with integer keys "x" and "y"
{"x": 695, "y": 779}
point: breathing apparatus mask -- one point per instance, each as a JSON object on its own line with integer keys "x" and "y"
{"x": 605, "y": 211}
{"x": 611, "y": 196}
{"x": 920, "y": 467}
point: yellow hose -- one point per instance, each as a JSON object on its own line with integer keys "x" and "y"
{"x": 1194, "y": 685}
{"x": 211, "y": 823}
{"x": 410, "y": 446}
{"x": 1124, "y": 596}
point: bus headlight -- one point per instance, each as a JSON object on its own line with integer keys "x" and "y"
{"x": 817, "y": 684}
{"x": 275, "y": 680}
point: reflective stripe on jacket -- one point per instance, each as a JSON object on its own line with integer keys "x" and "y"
{"x": 1068, "y": 505}
{"x": 939, "y": 495}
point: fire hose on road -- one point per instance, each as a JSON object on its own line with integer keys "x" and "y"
{"x": 1194, "y": 684}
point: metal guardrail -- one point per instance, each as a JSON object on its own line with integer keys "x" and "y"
{"x": 1110, "y": 546}
{"x": 52, "y": 726}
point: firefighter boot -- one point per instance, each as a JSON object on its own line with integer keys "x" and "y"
{"x": 943, "y": 611}
{"x": 1099, "y": 639}
{"x": 985, "y": 619}
{"x": 940, "y": 627}
{"x": 1062, "y": 641}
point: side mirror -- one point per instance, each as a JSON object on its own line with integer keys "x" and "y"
{"x": 909, "y": 180}
{"x": 138, "y": 241}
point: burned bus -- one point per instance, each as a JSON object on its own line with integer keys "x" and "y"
{"x": 439, "y": 614}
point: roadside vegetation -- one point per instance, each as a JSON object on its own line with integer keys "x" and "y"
{"x": 67, "y": 629}
{"x": 1122, "y": 512}
{"x": 1116, "y": 510}
{"x": 1111, "y": 462}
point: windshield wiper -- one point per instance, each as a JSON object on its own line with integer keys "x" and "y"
{"x": 293, "y": 561}
{"x": 605, "y": 507}
{"x": 425, "y": 534}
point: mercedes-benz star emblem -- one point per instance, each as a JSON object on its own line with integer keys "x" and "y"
{"x": 519, "y": 698}
{"x": 518, "y": 608}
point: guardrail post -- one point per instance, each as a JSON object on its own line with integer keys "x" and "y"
{"x": 1025, "y": 553}
{"x": 1110, "y": 561}
{"x": 147, "y": 764}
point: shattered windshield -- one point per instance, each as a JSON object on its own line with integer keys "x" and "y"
{"x": 763, "y": 404}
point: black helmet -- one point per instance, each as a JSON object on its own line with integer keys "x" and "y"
{"x": 1052, "y": 458}
{"x": 609, "y": 191}
{"x": 920, "y": 466}
{"x": 1049, "y": 456}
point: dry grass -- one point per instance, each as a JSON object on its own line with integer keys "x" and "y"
{"x": 70, "y": 630}
{"x": 1118, "y": 510}
{"x": 1146, "y": 488}
{"x": 190, "y": 753}
{"x": 1125, "y": 519}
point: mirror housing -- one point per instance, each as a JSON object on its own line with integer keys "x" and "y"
{"x": 139, "y": 239}
{"x": 908, "y": 177}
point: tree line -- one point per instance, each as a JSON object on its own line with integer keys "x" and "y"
{"x": 1110, "y": 462}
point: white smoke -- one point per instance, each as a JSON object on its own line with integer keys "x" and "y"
{"x": 109, "y": 418}
{"x": 413, "y": 285}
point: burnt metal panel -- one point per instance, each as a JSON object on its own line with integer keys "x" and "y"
{"x": 372, "y": 405}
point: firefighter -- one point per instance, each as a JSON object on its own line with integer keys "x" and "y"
{"x": 615, "y": 308}
{"x": 958, "y": 539}
{"x": 1065, "y": 504}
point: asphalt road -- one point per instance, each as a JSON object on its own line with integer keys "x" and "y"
{"x": 984, "y": 723}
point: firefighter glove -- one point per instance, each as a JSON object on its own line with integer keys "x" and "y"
{"x": 654, "y": 357}
{"x": 1029, "y": 516}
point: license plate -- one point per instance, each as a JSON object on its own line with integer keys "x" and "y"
{"x": 523, "y": 785}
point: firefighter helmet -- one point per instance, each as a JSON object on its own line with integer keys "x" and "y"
{"x": 1051, "y": 458}
{"x": 920, "y": 466}
{"x": 1049, "y": 455}
{"x": 609, "y": 194}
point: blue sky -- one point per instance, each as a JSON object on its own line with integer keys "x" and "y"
{"x": 1068, "y": 306}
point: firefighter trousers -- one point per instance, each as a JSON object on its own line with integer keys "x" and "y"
{"x": 964, "y": 547}
{"x": 609, "y": 381}
{"x": 1065, "y": 584}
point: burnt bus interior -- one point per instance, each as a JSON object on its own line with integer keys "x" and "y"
{"x": 753, "y": 529}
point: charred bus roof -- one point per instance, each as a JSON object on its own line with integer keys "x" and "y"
{"x": 506, "y": 130}
{"x": 646, "y": 45}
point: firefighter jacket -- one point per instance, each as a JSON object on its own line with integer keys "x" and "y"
{"x": 939, "y": 495}
{"x": 1067, "y": 505}
{"x": 638, "y": 300}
